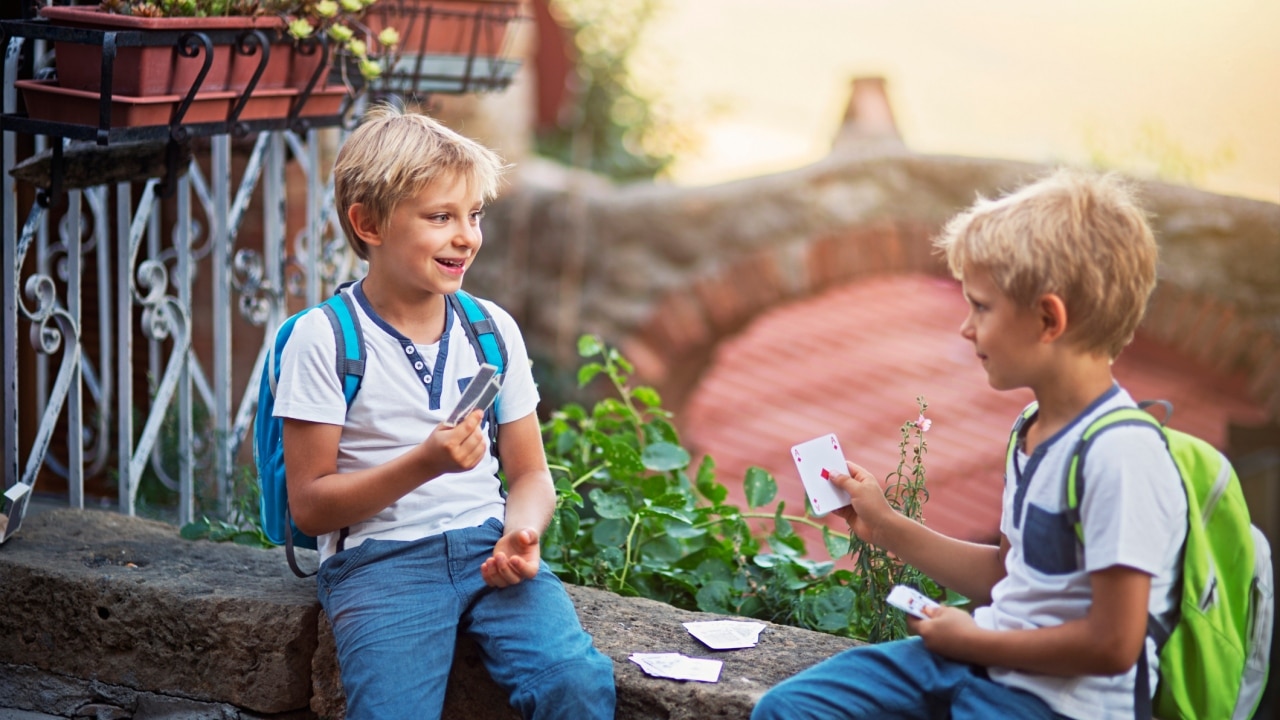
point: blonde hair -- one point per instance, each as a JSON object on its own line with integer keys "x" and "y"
{"x": 1080, "y": 236}
{"x": 394, "y": 154}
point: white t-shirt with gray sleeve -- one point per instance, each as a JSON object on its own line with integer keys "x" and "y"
{"x": 1133, "y": 514}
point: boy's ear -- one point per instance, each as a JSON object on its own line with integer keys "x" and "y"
{"x": 1053, "y": 317}
{"x": 363, "y": 223}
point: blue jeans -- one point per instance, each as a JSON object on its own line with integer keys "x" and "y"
{"x": 900, "y": 679}
{"x": 397, "y": 607}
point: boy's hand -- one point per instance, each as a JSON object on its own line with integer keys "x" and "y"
{"x": 868, "y": 509}
{"x": 457, "y": 448}
{"x": 947, "y": 632}
{"x": 515, "y": 558}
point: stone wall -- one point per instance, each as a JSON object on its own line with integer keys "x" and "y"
{"x": 107, "y": 616}
{"x": 667, "y": 273}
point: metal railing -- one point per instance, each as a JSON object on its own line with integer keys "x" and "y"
{"x": 149, "y": 241}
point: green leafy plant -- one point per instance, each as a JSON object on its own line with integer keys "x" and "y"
{"x": 877, "y": 571}
{"x": 617, "y": 126}
{"x": 339, "y": 20}
{"x": 242, "y": 524}
{"x": 630, "y": 518}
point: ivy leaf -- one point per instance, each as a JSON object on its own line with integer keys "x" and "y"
{"x": 610, "y": 534}
{"x": 759, "y": 486}
{"x": 569, "y": 522}
{"x": 664, "y": 550}
{"x": 648, "y": 396}
{"x": 706, "y": 483}
{"x": 832, "y": 608}
{"x": 610, "y": 505}
{"x": 837, "y": 544}
{"x": 589, "y": 346}
{"x": 664, "y": 456}
{"x": 195, "y": 529}
{"x": 588, "y": 372}
{"x": 714, "y": 597}
{"x": 657, "y": 430}
{"x": 622, "y": 459}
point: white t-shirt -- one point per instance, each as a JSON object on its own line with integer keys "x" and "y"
{"x": 1133, "y": 513}
{"x": 397, "y": 409}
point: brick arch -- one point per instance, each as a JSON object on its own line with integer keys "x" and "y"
{"x": 673, "y": 346}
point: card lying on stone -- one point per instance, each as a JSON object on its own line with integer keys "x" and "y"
{"x": 726, "y": 634}
{"x": 678, "y": 667}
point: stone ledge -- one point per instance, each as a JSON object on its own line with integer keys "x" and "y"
{"x": 121, "y": 612}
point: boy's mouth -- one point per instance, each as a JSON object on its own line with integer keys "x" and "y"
{"x": 452, "y": 263}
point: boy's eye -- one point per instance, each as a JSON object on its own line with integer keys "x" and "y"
{"x": 476, "y": 215}
{"x": 439, "y": 217}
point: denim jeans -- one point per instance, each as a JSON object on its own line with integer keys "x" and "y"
{"x": 900, "y": 679}
{"x": 397, "y": 607}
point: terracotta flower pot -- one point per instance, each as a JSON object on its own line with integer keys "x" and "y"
{"x": 46, "y": 100}
{"x": 445, "y": 27}
{"x": 161, "y": 69}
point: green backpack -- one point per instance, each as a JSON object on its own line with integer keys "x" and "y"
{"x": 1214, "y": 658}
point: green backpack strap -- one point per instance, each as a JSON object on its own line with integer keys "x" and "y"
{"x": 1119, "y": 417}
{"x": 1027, "y": 413}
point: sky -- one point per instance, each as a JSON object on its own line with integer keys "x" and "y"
{"x": 1190, "y": 89}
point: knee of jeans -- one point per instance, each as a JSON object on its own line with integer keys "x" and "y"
{"x": 575, "y": 688}
{"x": 771, "y": 706}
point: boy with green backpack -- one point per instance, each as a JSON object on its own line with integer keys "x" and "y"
{"x": 1083, "y": 606}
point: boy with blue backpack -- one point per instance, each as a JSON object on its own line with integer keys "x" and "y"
{"x": 418, "y": 538}
{"x": 1099, "y": 561}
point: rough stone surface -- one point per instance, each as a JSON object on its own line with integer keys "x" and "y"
{"x": 110, "y": 616}
{"x": 125, "y": 601}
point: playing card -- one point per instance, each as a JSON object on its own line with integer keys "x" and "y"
{"x": 480, "y": 392}
{"x": 818, "y": 459}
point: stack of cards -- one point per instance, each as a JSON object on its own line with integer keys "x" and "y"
{"x": 479, "y": 394}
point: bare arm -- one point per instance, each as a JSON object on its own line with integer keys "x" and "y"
{"x": 970, "y": 569}
{"x": 321, "y": 500}
{"x": 1106, "y": 641}
{"x": 531, "y": 498}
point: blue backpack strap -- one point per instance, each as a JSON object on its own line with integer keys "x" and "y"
{"x": 486, "y": 341}
{"x": 348, "y": 338}
{"x": 481, "y": 330}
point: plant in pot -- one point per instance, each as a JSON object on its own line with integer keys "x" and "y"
{"x": 276, "y": 40}
{"x": 446, "y": 46}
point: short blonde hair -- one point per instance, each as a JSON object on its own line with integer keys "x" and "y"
{"x": 1078, "y": 235}
{"x": 394, "y": 154}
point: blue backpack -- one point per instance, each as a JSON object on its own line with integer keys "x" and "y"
{"x": 268, "y": 433}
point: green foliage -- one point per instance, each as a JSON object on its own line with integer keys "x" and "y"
{"x": 634, "y": 517}
{"x": 1154, "y": 152}
{"x": 616, "y": 127}
{"x": 878, "y": 571}
{"x": 242, "y": 525}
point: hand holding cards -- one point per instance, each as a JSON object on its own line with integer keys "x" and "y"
{"x": 479, "y": 394}
{"x": 817, "y": 460}
{"x": 910, "y": 601}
